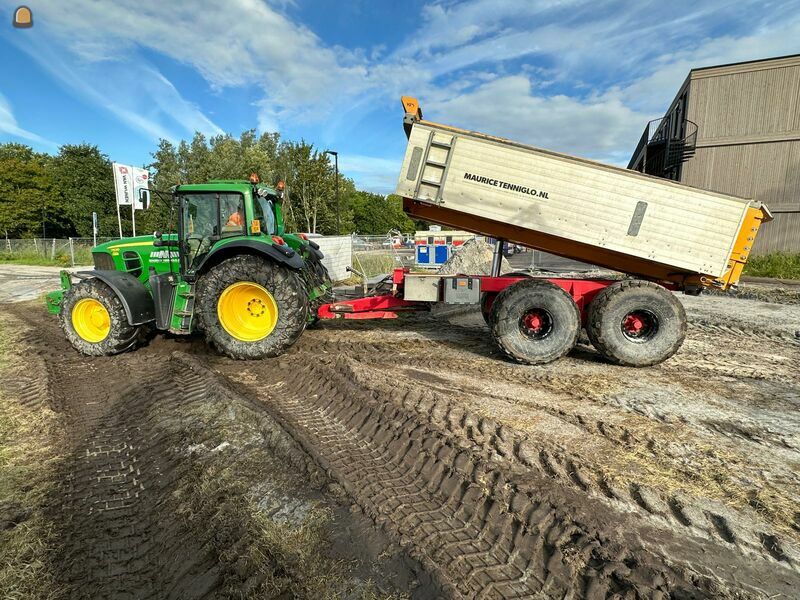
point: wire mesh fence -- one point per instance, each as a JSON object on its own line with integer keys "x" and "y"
{"x": 69, "y": 252}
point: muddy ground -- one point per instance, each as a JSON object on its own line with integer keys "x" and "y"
{"x": 407, "y": 459}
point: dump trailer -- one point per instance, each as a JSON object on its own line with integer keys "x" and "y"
{"x": 663, "y": 236}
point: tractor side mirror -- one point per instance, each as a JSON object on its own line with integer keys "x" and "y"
{"x": 144, "y": 198}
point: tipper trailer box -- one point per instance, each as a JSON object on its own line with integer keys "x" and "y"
{"x": 577, "y": 208}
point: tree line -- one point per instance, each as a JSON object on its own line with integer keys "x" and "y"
{"x": 44, "y": 195}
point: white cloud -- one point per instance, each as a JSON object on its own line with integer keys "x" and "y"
{"x": 508, "y": 107}
{"x": 136, "y": 93}
{"x": 9, "y": 125}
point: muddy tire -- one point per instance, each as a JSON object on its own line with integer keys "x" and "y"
{"x": 314, "y": 275}
{"x": 487, "y": 299}
{"x": 94, "y": 320}
{"x": 534, "y": 322}
{"x": 251, "y": 308}
{"x": 636, "y": 323}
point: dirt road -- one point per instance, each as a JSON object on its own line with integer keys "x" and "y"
{"x": 415, "y": 461}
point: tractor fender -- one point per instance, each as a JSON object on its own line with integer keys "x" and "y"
{"x": 136, "y": 300}
{"x": 280, "y": 254}
{"x": 313, "y": 247}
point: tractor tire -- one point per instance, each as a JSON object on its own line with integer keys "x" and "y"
{"x": 636, "y": 323}
{"x": 316, "y": 274}
{"x": 251, "y": 308}
{"x": 94, "y": 320}
{"x": 534, "y": 322}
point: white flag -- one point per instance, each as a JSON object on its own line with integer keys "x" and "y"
{"x": 141, "y": 181}
{"x": 123, "y": 184}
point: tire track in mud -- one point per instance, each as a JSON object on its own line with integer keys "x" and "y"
{"x": 117, "y": 539}
{"x": 500, "y": 442}
{"x": 488, "y": 528}
{"x": 120, "y": 510}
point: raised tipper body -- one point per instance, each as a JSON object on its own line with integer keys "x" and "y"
{"x": 580, "y": 209}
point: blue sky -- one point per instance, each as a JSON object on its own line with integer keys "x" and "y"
{"x": 578, "y": 76}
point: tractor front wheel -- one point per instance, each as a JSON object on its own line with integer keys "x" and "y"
{"x": 94, "y": 320}
{"x": 251, "y": 308}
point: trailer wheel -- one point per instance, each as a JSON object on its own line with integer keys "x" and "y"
{"x": 94, "y": 320}
{"x": 251, "y": 308}
{"x": 534, "y": 321}
{"x": 636, "y": 323}
{"x": 487, "y": 299}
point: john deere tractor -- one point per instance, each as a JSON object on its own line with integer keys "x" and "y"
{"x": 230, "y": 272}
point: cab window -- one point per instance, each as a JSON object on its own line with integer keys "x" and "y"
{"x": 231, "y": 210}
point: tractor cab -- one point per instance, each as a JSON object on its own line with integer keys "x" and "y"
{"x": 221, "y": 211}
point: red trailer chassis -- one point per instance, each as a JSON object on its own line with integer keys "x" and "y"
{"x": 388, "y": 306}
{"x": 538, "y": 319}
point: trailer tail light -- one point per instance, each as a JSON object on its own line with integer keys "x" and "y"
{"x": 276, "y": 239}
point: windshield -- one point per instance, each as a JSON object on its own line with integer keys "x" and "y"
{"x": 208, "y": 217}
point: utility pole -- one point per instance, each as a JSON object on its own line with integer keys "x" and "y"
{"x": 336, "y": 168}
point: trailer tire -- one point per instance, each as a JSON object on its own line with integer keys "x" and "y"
{"x": 487, "y": 299}
{"x": 534, "y": 322}
{"x": 94, "y": 320}
{"x": 636, "y": 323}
{"x": 251, "y": 308}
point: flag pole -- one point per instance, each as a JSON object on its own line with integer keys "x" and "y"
{"x": 133, "y": 216}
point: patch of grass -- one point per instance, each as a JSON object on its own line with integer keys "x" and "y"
{"x": 83, "y": 256}
{"x": 375, "y": 263}
{"x": 27, "y": 457}
{"x": 781, "y": 265}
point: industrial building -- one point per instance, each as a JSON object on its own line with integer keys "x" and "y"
{"x": 735, "y": 129}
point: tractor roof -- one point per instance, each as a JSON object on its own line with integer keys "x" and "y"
{"x": 224, "y": 185}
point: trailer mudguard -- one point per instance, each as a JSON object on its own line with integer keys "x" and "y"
{"x": 280, "y": 254}
{"x": 136, "y": 300}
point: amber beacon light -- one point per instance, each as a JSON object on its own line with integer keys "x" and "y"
{"x": 23, "y": 18}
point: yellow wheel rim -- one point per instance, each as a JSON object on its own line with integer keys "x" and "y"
{"x": 247, "y": 311}
{"x": 91, "y": 320}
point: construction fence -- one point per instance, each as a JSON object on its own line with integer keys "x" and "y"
{"x": 370, "y": 255}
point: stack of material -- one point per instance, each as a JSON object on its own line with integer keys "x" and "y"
{"x": 473, "y": 258}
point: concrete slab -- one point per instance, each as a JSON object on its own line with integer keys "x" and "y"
{"x": 19, "y": 283}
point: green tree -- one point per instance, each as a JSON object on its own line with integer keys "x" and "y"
{"x": 85, "y": 184}
{"x": 28, "y": 207}
{"x": 374, "y": 214}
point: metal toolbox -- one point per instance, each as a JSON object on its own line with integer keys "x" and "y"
{"x": 461, "y": 290}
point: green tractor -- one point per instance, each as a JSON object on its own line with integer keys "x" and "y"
{"x": 230, "y": 271}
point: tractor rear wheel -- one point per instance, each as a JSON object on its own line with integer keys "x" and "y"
{"x": 636, "y": 323}
{"x": 534, "y": 321}
{"x": 94, "y": 320}
{"x": 251, "y": 308}
{"x": 315, "y": 275}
